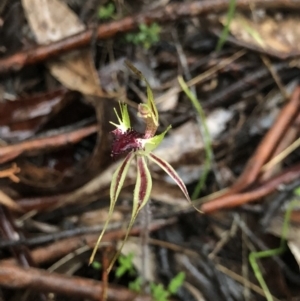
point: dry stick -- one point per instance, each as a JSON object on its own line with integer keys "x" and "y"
{"x": 12, "y": 276}
{"x": 267, "y": 146}
{"x": 264, "y": 189}
{"x": 40, "y": 203}
{"x": 11, "y": 173}
{"x": 270, "y": 141}
{"x": 9, "y": 231}
{"x": 60, "y": 248}
{"x": 171, "y": 12}
{"x": 46, "y": 142}
{"x": 270, "y": 168}
{"x": 227, "y": 95}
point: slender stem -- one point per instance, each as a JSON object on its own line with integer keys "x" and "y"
{"x": 145, "y": 218}
{"x": 206, "y": 137}
{"x": 225, "y": 31}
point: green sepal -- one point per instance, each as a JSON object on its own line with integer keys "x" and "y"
{"x": 152, "y": 143}
{"x": 141, "y": 195}
{"x": 117, "y": 182}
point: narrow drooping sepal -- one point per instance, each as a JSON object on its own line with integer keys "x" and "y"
{"x": 118, "y": 178}
{"x": 173, "y": 174}
{"x": 116, "y": 185}
{"x": 141, "y": 195}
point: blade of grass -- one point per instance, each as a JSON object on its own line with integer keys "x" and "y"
{"x": 206, "y": 138}
{"x": 225, "y": 31}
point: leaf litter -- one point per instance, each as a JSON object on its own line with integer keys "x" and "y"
{"x": 55, "y": 205}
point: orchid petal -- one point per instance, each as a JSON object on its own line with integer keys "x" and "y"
{"x": 117, "y": 182}
{"x": 173, "y": 174}
{"x": 141, "y": 195}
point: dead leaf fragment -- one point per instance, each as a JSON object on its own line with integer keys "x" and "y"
{"x": 277, "y": 37}
{"x": 53, "y": 20}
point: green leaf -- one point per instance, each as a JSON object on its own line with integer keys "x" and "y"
{"x": 126, "y": 265}
{"x": 146, "y": 36}
{"x": 176, "y": 283}
{"x": 136, "y": 285}
{"x": 117, "y": 182}
{"x": 159, "y": 293}
{"x": 96, "y": 265}
{"x": 106, "y": 12}
{"x": 297, "y": 191}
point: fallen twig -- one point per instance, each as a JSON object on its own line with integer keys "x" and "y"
{"x": 9, "y": 231}
{"x": 12, "y": 276}
{"x": 46, "y": 142}
{"x": 171, "y": 12}
{"x": 267, "y": 146}
{"x": 66, "y": 246}
{"x": 11, "y": 173}
{"x": 234, "y": 200}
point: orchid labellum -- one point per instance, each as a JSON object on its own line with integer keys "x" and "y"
{"x": 139, "y": 147}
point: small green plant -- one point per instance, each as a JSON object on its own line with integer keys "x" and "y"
{"x": 146, "y": 36}
{"x": 125, "y": 265}
{"x": 96, "y": 265}
{"x": 160, "y": 293}
{"x": 106, "y": 11}
{"x": 136, "y": 285}
{"x": 176, "y": 283}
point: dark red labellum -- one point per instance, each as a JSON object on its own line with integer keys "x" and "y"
{"x": 125, "y": 142}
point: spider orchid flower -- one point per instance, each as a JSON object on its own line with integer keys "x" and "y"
{"x": 139, "y": 147}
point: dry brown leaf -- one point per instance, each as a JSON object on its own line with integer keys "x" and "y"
{"x": 52, "y": 20}
{"x": 278, "y": 37}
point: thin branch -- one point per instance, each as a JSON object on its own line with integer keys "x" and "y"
{"x": 46, "y": 142}
{"x": 15, "y": 277}
{"x": 238, "y": 199}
